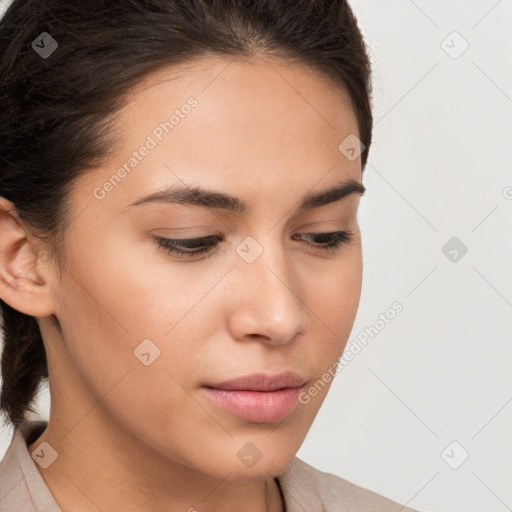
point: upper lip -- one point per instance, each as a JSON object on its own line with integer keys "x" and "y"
{"x": 261, "y": 382}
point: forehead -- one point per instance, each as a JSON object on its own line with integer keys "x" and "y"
{"x": 244, "y": 126}
{"x": 220, "y": 79}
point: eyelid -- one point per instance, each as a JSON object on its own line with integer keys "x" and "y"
{"x": 339, "y": 239}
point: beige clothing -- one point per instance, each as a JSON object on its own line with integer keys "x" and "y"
{"x": 305, "y": 489}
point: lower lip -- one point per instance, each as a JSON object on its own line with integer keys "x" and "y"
{"x": 256, "y": 406}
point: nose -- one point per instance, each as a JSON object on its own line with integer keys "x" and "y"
{"x": 267, "y": 301}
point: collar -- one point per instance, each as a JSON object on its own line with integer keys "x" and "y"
{"x": 297, "y": 481}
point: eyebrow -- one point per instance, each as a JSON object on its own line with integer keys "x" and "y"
{"x": 198, "y": 196}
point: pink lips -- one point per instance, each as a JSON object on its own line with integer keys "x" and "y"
{"x": 258, "y": 398}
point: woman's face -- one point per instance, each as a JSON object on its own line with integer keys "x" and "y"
{"x": 143, "y": 330}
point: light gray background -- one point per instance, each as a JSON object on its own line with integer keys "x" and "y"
{"x": 440, "y": 167}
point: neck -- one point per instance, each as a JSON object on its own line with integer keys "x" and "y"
{"x": 105, "y": 469}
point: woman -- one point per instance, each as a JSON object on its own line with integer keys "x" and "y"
{"x": 180, "y": 249}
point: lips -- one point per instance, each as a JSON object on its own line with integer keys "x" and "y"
{"x": 261, "y": 382}
{"x": 257, "y": 398}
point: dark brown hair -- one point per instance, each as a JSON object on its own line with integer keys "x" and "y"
{"x": 56, "y": 110}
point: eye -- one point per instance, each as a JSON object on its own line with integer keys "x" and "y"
{"x": 190, "y": 247}
{"x": 187, "y": 247}
{"x": 330, "y": 242}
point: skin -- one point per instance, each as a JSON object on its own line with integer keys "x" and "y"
{"x": 134, "y": 437}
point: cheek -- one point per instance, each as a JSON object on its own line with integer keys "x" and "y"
{"x": 121, "y": 294}
{"x": 335, "y": 290}
{"x": 332, "y": 300}
{"x": 109, "y": 310}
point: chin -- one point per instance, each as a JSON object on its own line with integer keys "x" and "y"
{"x": 244, "y": 460}
{"x": 259, "y": 472}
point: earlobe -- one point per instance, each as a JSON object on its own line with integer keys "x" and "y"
{"x": 23, "y": 282}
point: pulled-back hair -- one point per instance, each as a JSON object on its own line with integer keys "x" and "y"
{"x": 56, "y": 111}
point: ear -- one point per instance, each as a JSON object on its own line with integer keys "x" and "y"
{"x": 24, "y": 278}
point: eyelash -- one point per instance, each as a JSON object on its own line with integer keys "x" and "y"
{"x": 338, "y": 239}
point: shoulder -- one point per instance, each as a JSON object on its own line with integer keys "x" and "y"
{"x": 314, "y": 488}
{"x": 22, "y": 488}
